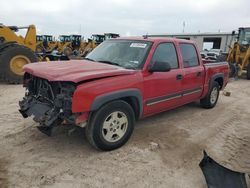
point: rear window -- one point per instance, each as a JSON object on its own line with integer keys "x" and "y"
{"x": 189, "y": 55}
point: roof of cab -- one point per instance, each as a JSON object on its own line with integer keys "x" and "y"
{"x": 153, "y": 39}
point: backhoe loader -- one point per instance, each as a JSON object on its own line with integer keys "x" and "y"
{"x": 239, "y": 55}
{"x": 16, "y": 51}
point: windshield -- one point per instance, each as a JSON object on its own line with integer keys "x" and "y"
{"x": 124, "y": 53}
{"x": 244, "y": 36}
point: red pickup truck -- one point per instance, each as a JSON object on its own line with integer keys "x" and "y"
{"x": 119, "y": 82}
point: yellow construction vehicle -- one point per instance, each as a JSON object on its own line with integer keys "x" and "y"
{"x": 45, "y": 43}
{"x": 63, "y": 44}
{"x": 111, "y": 35}
{"x": 88, "y": 47}
{"x": 16, "y": 51}
{"x": 239, "y": 55}
{"x": 71, "y": 45}
{"x": 97, "y": 38}
{"x": 39, "y": 44}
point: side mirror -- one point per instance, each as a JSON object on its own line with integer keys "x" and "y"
{"x": 158, "y": 66}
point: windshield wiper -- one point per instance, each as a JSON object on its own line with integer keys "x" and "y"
{"x": 109, "y": 62}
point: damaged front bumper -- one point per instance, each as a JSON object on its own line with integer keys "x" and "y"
{"x": 43, "y": 113}
{"x": 49, "y": 103}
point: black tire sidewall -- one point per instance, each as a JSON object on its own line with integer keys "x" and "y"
{"x": 6, "y": 56}
{"x": 248, "y": 70}
{"x": 97, "y": 123}
{"x": 233, "y": 70}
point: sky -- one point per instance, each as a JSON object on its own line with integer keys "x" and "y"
{"x": 126, "y": 17}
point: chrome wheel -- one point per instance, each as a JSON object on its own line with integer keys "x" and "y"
{"x": 114, "y": 126}
{"x": 214, "y": 95}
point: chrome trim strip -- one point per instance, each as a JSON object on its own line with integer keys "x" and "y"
{"x": 163, "y": 100}
{"x": 191, "y": 92}
{"x": 172, "y": 96}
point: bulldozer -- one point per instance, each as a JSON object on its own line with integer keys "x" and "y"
{"x": 16, "y": 51}
{"x": 239, "y": 54}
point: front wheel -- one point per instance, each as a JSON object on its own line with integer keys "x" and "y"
{"x": 212, "y": 97}
{"x": 111, "y": 126}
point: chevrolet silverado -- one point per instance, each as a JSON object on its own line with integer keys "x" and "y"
{"x": 119, "y": 82}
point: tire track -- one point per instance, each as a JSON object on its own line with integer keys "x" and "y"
{"x": 4, "y": 182}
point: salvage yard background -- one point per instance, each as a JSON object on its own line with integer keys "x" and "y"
{"x": 164, "y": 151}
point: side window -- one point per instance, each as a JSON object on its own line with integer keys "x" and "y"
{"x": 189, "y": 55}
{"x": 166, "y": 52}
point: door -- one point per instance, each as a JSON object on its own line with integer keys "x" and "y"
{"x": 162, "y": 90}
{"x": 193, "y": 73}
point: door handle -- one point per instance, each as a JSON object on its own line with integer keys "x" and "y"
{"x": 198, "y": 74}
{"x": 178, "y": 77}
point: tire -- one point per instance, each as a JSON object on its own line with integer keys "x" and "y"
{"x": 248, "y": 70}
{"x": 232, "y": 70}
{"x": 67, "y": 51}
{"x": 13, "y": 52}
{"x": 40, "y": 49}
{"x": 212, "y": 97}
{"x": 103, "y": 130}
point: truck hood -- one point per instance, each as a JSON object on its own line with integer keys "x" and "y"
{"x": 74, "y": 70}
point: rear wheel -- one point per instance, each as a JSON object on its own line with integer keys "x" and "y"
{"x": 12, "y": 60}
{"x": 248, "y": 70}
{"x": 111, "y": 126}
{"x": 212, "y": 97}
{"x": 232, "y": 70}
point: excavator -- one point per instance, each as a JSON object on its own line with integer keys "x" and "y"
{"x": 16, "y": 51}
{"x": 239, "y": 54}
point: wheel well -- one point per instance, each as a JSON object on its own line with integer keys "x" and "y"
{"x": 134, "y": 103}
{"x": 220, "y": 81}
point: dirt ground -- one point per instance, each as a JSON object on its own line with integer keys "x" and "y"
{"x": 164, "y": 150}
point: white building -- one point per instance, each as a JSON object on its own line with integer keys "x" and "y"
{"x": 220, "y": 40}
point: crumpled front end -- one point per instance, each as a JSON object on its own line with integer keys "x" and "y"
{"x": 49, "y": 103}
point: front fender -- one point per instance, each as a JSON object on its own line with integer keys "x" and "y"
{"x": 90, "y": 102}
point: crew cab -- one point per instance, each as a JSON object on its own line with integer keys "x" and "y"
{"x": 119, "y": 82}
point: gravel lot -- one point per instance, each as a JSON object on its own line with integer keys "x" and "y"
{"x": 164, "y": 150}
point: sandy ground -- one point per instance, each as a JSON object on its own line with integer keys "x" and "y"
{"x": 164, "y": 151}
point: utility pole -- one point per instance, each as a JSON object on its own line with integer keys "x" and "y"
{"x": 183, "y": 28}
